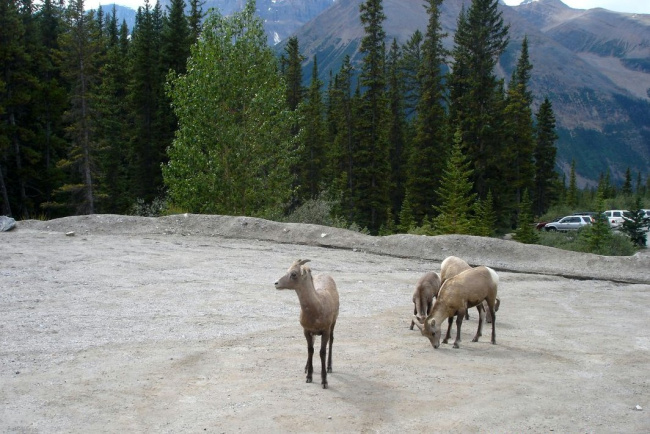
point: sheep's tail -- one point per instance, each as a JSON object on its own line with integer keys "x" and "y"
{"x": 495, "y": 276}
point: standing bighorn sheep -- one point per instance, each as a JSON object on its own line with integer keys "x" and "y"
{"x": 425, "y": 291}
{"x": 319, "y": 309}
{"x": 468, "y": 289}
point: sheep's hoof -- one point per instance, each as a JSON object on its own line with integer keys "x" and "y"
{"x": 456, "y": 345}
{"x": 324, "y": 385}
{"x": 308, "y": 379}
{"x": 329, "y": 370}
{"x": 475, "y": 340}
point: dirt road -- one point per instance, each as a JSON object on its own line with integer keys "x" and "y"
{"x": 173, "y": 325}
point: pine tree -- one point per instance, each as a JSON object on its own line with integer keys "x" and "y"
{"x": 572, "y": 192}
{"x": 475, "y": 92}
{"x": 146, "y": 97}
{"x": 517, "y": 166}
{"x": 626, "y": 189}
{"x": 397, "y": 130}
{"x": 233, "y": 151}
{"x": 526, "y": 232}
{"x": 292, "y": 69}
{"x": 484, "y": 221}
{"x": 113, "y": 124}
{"x": 598, "y": 235}
{"x": 311, "y": 165}
{"x": 18, "y": 84}
{"x": 636, "y": 224}
{"x": 430, "y": 148}
{"x": 455, "y": 193}
{"x": 195, "y": 18}
{"x": 342, "y": 139}
{"x": 546, "y": 178}
{"x": 80, "y": 47}
{"x": 411, "y": 65}
{"x": 371, "y": 188}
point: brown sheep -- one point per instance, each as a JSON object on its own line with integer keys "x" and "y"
{"x": 319, "y": 309}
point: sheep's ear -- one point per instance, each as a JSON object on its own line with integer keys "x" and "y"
{"x": 430, "y": 325}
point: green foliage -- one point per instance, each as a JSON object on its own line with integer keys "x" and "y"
{"x": 526, "y": 232}
{"x": 617, "y": 245}
{"x": 233, "y": 150}
{"x": 637, "y": 226}
{"x": 598, "y": 236}
{"x": 484, "y": 221}
{"x": 455, "y": 194}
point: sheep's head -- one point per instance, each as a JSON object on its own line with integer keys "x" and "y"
{"x": 429, "y": 328}
{"x": 295, "y": 274}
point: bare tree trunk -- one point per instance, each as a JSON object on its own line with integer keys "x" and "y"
{"x": 6, "y": 207}
{"x": 24, "y": 211}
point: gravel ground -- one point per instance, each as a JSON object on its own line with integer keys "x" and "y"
{"x": 129, "y": 324}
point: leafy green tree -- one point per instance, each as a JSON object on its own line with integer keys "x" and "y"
{"x": 371, "y": 186}
{"x": 455, "y": 193}
{"x": 637, "y": 224}
{"x": 233, "y": 152}
{"x": 526, "y": 232}
{"x": 429, "y": 150}
{"x": 546, "y": 178}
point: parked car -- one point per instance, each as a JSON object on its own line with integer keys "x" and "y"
{"x": 569, "y": 223}
{"x": 615, "y": 217}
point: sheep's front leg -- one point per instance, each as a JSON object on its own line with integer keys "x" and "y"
{"x": 448, "y": 335}
{"x": 323, "y": 355}
{"x": 309, "y": 368}
{"x": 459, "y": 322}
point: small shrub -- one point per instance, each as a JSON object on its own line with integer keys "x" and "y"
{"x": 156, "y": 208}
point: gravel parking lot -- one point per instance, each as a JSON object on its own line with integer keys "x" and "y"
{"x": 129, "y": 324}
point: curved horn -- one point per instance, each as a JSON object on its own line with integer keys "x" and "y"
{"x": 303, "y": 261}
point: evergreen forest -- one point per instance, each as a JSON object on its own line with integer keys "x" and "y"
{"x": 192, "y": 111}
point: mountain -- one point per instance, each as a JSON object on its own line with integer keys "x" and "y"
{"x": 593, "y": 65}
{"x": 122, "y": 13}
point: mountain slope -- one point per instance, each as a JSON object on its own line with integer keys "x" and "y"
{"x": 592, "y": 65}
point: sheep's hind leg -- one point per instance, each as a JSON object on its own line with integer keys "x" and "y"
{"x": 481, "y": 317}
{"x": 309, "y": 367}
{"x": 323, "y": 355}
{"x": 459, "y": 323}
{"x": 329, "y": 355}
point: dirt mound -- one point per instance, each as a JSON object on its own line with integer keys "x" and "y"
{"x": 500, "y": 254}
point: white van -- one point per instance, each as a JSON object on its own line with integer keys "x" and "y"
{"x": 615, "y": 217}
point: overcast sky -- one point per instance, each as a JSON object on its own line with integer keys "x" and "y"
{"x": 638, "y": 6}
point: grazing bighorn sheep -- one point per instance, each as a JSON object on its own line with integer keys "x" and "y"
{"x": 425, "y": 291}
{"x": 319, "y": 309}
{"x": 450, "y": 267}
{"x": 456, "y": 295}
